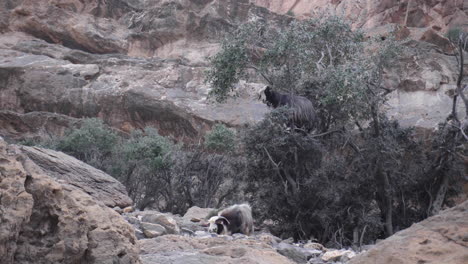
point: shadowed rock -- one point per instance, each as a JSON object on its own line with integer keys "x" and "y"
{"x": 98, "y": 184}
{"x": 44, "y": 221}
{"x": 439, "y": 239}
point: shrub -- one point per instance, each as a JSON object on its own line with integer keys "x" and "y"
{"x": 220, "y": 139}
{"x": 142, "y": 164}
{"x": 92, "y": 143}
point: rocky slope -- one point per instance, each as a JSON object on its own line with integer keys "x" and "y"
{"x": 439, "y": 239}
{"x": 94, "y": 182}
{"x": 136, "y": 63}
{"x": 44, "y": 220}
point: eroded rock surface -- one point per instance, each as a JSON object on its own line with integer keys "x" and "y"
{"x": 439, "y": 239}
{"x": 46, "y": 221}
{"x": 92, "y": 181}
{"x": 133, "y": 64}
{"x": 179, "y": 249}
{"x": 141, "y": 63}
{"x": 33, "y": 126}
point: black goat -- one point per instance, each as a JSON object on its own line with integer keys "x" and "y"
{"x": 303, "y": 112}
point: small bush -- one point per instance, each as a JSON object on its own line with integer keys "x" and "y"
{"x": 142, "y": 164}
{"x": 220, "y": 139}
{"x": 92, "y": 143}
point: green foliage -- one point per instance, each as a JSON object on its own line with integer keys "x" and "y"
{"x": 323, "y": 59}
{"x": 147, "y": 146}
{"x": 142, "y": 163}
{"x": 155, "y": 171}
{"x": 228, "y": 67}
{"x": 326, "y": 187}
{"x": 220, "y": 138}
{"x": 454, "y": 33}
{"x": 92, "y": 143}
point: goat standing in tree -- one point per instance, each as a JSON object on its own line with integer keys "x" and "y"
{"x": 303, "y": 112}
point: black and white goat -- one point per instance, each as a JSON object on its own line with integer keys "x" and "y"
{"x": 234, "y": 219}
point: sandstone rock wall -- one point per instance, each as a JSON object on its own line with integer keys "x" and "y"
{"x": 64, "y": 168}
{"x": 131, "y": 63}
{"x": 141, "y": 62}
{"x": 46, "y": 221}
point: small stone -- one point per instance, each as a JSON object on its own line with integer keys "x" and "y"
{"x": 204, "y": 234}
{"x": 269, "y": 238}
{"x": 347, "y": 257}
{"x": 313, "y": 245}
{"x": 238, "y": 236}
{"x": 296, "y": 253}
{"x": 164, "y": 220}
{"x": 118, "y": 209}
{"x": 336, "y": 255}
{"x": 186, "y": 232}
{"x": 128, "y": 209}
{"x": 139, "y": 234}
{"x": 196, "y": 212}
{"x": 195, "y": 220}
{"x": 152, "y": 230}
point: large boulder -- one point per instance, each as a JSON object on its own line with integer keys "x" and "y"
{"x": 44, "y": 221}
{"x": 164, "y": 220}
{"x": 439, "y": 239}
{"x": 197, "y": 213}
{"x": 213, "y": 250}
{"x": 62, "y": 167}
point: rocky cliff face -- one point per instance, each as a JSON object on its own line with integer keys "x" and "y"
{"x": 437, "y": 14}
{"x": 132, "y": 63}
{"x": 141, "y": 62}
{"x": 50, "y": 221}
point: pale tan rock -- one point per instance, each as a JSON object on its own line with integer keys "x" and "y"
{"x": 44, "y": 221}
{"x": 438, "y": 239}
{"x": 208, "y": 250}
{"x": 268, "y": 238}
{"x": 313, "y": 245}
{"x": 98, "y": 184}
{"x": 128, "y": 209}
{"x": 197, "y": 212}
{"x": 152, "y": 230}
{"x": 164, "y": 220}
{"x": 336, "y": 255}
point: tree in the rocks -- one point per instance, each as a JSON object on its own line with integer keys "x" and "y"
{"x": 361, "y": 174}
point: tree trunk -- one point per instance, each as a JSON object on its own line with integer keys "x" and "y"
{"x": 356, "y": 236}
{"x": 384, "y": 198}
{"x": 440, "y": 196}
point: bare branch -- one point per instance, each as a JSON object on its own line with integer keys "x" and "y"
{"x": 277, "y": 169}
{"x": 330, "y": 56}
